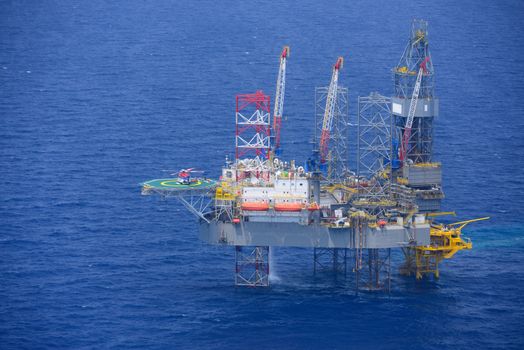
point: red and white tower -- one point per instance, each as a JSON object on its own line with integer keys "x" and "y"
{"x": 253, "y": 126}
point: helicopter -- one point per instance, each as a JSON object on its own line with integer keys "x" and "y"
{"x": 184, "y": 175}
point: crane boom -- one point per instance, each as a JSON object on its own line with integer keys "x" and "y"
{"x": 329, "y": 111}
{"x": 411, "y": 114}
{"x": 279, "y": 97}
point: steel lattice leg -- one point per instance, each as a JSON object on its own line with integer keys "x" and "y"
{"x": 334, "y": 259}
{"x": 375, "y": 272}
{"x": 252, "y": 266}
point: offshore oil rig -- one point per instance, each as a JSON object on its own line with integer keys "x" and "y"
{"x": 391, "y": 200}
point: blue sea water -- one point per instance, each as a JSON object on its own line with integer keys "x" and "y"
{"x": 97, "y": 96}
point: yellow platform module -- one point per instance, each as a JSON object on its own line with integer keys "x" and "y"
{"x": 225, "y": 193}
{"x": 446, "y": 241}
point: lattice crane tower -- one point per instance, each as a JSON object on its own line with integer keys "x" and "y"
{"x": 329, "y": 112}
{"x": 279, "y": 99}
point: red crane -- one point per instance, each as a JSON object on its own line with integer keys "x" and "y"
{"x": 329, "y": 112}
{"x": 279, "y": 98}
{"x": 411, "y": 114}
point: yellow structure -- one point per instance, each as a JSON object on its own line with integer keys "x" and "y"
{"x": 446, "y": 241}
{"x": 225, "y": 192}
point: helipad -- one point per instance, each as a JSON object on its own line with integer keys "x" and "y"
{"x": 175, "y": 185}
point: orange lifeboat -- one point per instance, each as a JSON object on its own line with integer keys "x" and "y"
{"x": 313, "y": 207}
{"x": 255, "y": 206}
{"x": 289, "y": 206}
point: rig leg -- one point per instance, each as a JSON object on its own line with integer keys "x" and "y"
{"x": 334, "y": 259}
{"x": 427, "y": 263}
{"x": 420, "y": 262}
{"x": 252, "y": 266}
{"x": 373, "y": 272}
{"x": 409, "y": 267}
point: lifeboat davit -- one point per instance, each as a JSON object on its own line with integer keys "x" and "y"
{"x": 289, "y": 206}
{"x": 255, "y": 206}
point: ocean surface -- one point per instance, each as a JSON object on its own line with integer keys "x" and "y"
{"x": 98, "y": 96}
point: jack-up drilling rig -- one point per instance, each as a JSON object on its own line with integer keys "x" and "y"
{"x": 392, "y": 201}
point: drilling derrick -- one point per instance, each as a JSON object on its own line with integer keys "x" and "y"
{"x": 279, "y": 100}
{"x": 414, "y": 108}
{"x": 416, "y": 55}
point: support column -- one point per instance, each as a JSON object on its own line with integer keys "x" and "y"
{"x": 252, "y": 266}
{"x": 334, "y": 259}
{"x": 409, "y": 267}
{"x": 375, "y": 270}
